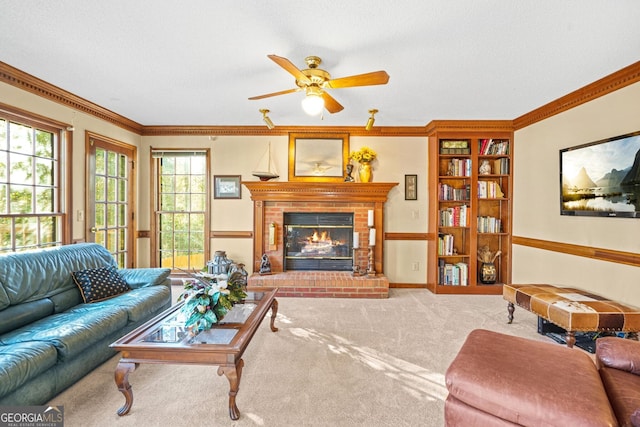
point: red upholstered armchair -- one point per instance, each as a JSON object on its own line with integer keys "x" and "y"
{"x": 618, "y": 362}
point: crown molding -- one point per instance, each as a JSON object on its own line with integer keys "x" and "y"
{"x": 469, "y": 126}
{"x": 604, "y": 86}
{"x": 24, "y": 81}
{"x": 400, "y": 131}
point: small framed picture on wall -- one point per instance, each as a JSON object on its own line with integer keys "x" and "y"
{"x": 411, "y": 187}
{"x": 226, "y": 187}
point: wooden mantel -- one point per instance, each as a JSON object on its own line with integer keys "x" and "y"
{"x": 313, "y": 191}
{"x": 374, "y": 194}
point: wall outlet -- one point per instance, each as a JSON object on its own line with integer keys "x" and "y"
{"x": 415, "y": 214}
{"x": 415, "y": 266}
{"x": 80, "y": 215}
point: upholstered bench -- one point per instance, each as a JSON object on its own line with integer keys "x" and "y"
{"x": 502, "y": 380}
{"x": 573, "y": 309}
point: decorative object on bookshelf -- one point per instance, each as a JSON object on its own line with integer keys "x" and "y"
{"x": 454, "y": 147}
{"x": 485, "y": 168}
{"x": 487, "y": 272}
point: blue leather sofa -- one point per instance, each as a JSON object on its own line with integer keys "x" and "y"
{"x": 49, "y": 337}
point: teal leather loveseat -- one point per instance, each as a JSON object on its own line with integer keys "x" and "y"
{"x": 49, "y": 336}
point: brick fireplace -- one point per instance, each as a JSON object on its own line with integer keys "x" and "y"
{"x": 271, "y": 200}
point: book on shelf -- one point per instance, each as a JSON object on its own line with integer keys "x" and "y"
{"x": 501, "y": 166}
{"x": 447, "y": 192}
{"x": 450, "y": 274}
{"x": 459, "y": 167}
{"x": 445, "y": 244}
{"x": 494, "y": 147}
{"x": 455, "y": 216}
{"x": 489, "y": 190}
{"x": 489, "y": 224}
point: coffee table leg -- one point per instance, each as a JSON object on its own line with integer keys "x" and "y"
{"x": 122, "y": 381}
{"x": 570, "y": 338}
{"x": 233, "y": 374}
{"x": 510, "y": 308}
{"x": 274, "y": 313}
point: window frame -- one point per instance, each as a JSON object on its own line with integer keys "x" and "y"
{"x": 63, "y": 135}
{"x": 156, "y": 153}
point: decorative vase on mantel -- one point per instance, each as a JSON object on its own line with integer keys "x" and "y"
{"x": 365, "y": 172}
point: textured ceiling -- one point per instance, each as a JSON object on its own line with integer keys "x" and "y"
{"x": 161, "y": 62}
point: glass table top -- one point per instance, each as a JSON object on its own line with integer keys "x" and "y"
{"x": 171, "y": 330}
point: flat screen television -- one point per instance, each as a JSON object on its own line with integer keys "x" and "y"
{"x": 601, "y": 178}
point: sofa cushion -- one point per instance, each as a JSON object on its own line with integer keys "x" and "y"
{"x": 98, "y": 284}
{"x": 623, "y": 389}
{"x": 72, "y": 331}
{"x": 142, "y": 303}
{"x": 139, "y": 277}
{"x": 66, "y": 299}
{"x": 29, "y": 276}
{"x": 623, "y": 354}
{"x": 21, "y": 362}
{"x": 528, "y": 382}
{"x": 19, "y": 315}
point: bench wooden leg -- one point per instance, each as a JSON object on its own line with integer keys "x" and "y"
{"x": 510, "y": 309}
{"x": 570, "y": 338}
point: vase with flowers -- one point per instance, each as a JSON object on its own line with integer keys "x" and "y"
{"x": 208, "y": 297}
{"x": 364, "y": 156}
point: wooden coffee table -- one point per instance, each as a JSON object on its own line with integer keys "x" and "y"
{"x": 574, "y": 310}
{"x": 164, "y": 339}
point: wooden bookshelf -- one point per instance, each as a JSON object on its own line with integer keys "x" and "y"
{"x": 469, "y": 207}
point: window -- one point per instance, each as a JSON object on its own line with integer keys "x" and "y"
{"x": 181, "y": 200}
{"x": 31, "y": 213}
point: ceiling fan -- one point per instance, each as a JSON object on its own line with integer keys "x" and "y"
{"x": 315, "y": 81}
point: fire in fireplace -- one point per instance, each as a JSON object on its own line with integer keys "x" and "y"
{"x": 318, "y": 241}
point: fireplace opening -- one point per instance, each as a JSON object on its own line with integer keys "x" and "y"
{"x": 318, "y": 241}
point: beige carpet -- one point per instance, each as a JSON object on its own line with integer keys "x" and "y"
{"x": 334, "y": 362}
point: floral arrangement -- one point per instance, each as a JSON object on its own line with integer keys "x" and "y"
{"x": 209, "y": 297}
{"x": 363, "y": 155}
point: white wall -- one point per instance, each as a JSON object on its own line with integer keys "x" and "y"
{"x": 536, "y": 208}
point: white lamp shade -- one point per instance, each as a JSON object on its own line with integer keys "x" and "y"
{"x": 313, "y": 104}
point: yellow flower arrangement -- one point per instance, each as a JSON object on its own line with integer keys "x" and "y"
{"x": 363, "y": 155}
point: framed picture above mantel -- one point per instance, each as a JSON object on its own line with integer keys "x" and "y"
{"x": 317, "y": 157}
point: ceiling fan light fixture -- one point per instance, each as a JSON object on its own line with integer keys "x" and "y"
{"x": 371, "y": 119}
{"x": 313, "y": 103}
{"x": 266, "y": 118}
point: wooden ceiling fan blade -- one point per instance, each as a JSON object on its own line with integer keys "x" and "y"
{"x": 268, "y": 95}
{"x": 331, "y": 104}
{"x": 292, "y": 69}
{"x": 367, "y": 79}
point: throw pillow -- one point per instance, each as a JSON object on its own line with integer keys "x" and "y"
{"x": 635, "y": 418}
{"x": 98, "y": 284}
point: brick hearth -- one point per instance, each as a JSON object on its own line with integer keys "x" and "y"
{"x": 272, "y": 199}
{"x": 337, "y": 284}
